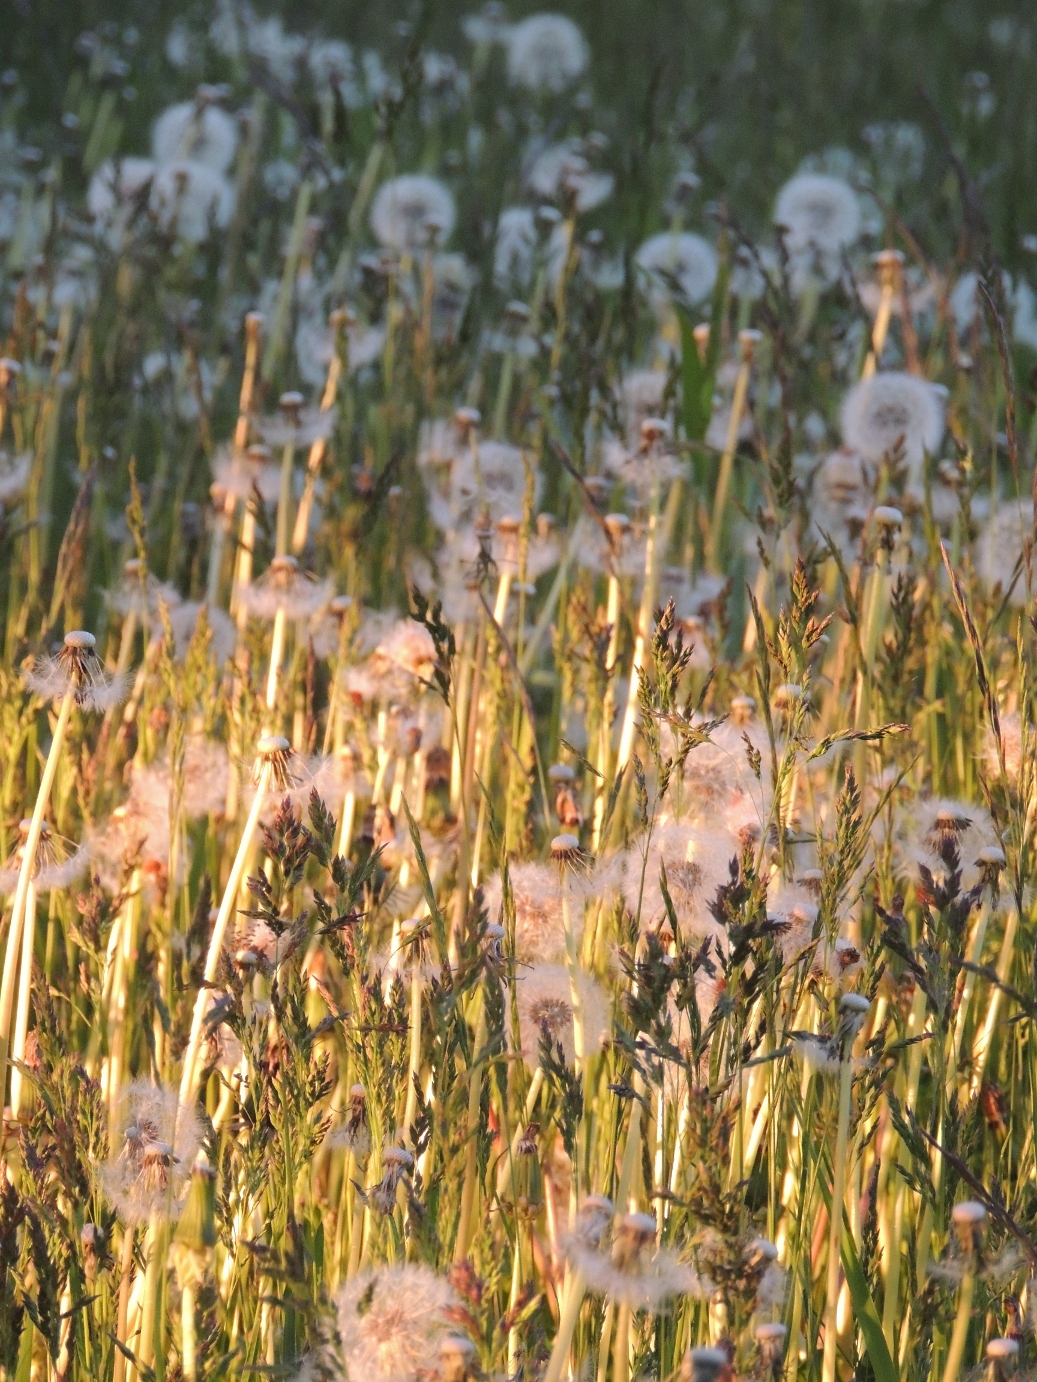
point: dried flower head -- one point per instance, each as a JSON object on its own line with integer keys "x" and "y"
{"x": 545, "y": 1005}
{"x": 411, "y": 212}
{"x": 154, "y": 1145}
{"x": 890, "y": 410}
{"x": 77, "y": 668}
{"x": 391, "y": 1322}
{"x": 546, "y": 52}
{"x": 285, "y": 586}
{"x": 681, "y": 263}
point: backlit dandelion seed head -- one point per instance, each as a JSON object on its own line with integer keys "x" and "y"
{"x": 276, "y": 752}
{"x": 545, "y": 1003}
{"x": 77, "y": 668}
{"x": 284, "y": 585}
{"x": 59, "y": 862}
{"x": 391, "y": 1321}
{"x": 546, "y": 52}
{"x": 633, "y": 1272}
{"x": 153, "y": 1147}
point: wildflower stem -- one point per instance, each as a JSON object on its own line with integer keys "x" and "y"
{"x": 21, "y": 1020}
{"x": 961, "y": 1328}
{"x": 836, "y": 1215}
{"x": 621, "y": 1352}
{"x": 981, "y": 1047}
{"x": 716, "y": 526}
{"x": 566, "y": 1327}
{"x": 28, "y": 866}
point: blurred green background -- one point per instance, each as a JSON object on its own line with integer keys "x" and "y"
{"x": 752, "y": 86}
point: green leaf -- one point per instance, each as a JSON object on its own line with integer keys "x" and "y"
{"x": 865, "y": 1312}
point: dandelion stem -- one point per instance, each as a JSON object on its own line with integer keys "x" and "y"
{"x": 836, "y": 1215}
{"x": 961, "y": 1328}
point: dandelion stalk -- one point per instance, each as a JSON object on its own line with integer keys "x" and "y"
{"x": 747, "y": 340}
{"x": 852, "y": 1008}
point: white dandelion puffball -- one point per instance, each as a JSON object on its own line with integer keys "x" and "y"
{"x": 999, "y": 549}
{"x": 563, "y": 168}
{"x": 207, "y": 135}
{"x": 390, "y": 1321}
{"x": 114, "y": 188}
{"x": 410, "y": 211}
{"x": 546, "y": 52}
{"x": 879, "y": 411}
{"x": 686, "y": 260}
{"x": 191, "y": 199}
{"x": 819, "y": 213}
{"x": 153, "y": 1148}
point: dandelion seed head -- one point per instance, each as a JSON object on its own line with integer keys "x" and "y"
{"x": 392, "y": 1320}
{"x": 355, "y": 1133}
{"x": 515, "y": 247}
{"x": 411, "y": 211}
{"x": 820, "y": 217}
{"x": 892, "y": 409}
{"x": 545, "y": 1002}
{"x": 563, "y": 172}
{"x": 285, "y": 586}
{"x": 1000, "y": 547}
{"x": 696, "y": 862}
{"x": 77, "y": 668}
{"x": 707, "y": 1364}
{"x": 154, "y": 1144}
{"x": 1002, "y": 1350}
{"x": 195, "y": 130}
{"x": 190, "y": 199}
{"x": 14, "y": 476}
{"x": 684, "y": 260}
{"x": 295, "y": 425}
{"x": 545, "y": 52}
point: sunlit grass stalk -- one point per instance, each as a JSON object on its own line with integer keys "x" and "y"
{"x": 747, "y": 344}
{"x": 469, "y": 1188}
{"x": 9, "y": 983}
{"x": 188, "y": 1086}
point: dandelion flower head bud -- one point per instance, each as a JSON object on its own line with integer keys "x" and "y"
{"x": 77, "y": 668}
{"x": 546, "y": 52}
{"x": 410, "y": 211}
{"x": 391, "y": 1321}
